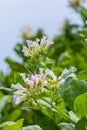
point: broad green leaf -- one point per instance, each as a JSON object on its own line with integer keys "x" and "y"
{"x": 80, "y": 105}
{"x": 32, "y": 127}
{"x": 6, "y": 124}
{"x": 12, "y": 125}
{"x": 52, "y": 108}
{"x": 16, "y": 126}
{"x": 71, "y": 89}
{"x": 68, "y": 73}
{"x": 40, "y": 118}
{"x": 14, "y": 115}
{"x": 45, "y": 121}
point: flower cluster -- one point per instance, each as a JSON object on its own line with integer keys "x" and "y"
{"x": 75, "y": 3}
{"x": 36, "y": 47}
{"x": 26, "y": 32}
{"x": 34, "y": 85}
{"x": 19, "y": 93}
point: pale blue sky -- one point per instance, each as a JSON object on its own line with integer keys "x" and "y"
{"x": 14, "y": 14}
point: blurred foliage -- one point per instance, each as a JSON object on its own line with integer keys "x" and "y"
{"x": 69, "y": 49}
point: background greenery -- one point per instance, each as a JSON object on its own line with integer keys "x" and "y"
{"x": 69, "y": 49}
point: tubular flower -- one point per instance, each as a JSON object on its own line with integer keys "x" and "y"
{"x": 42, "y": 79}
{"x": 25, "y": 51}
{"x": 36, "y": 47}
{"x": 34, "y": 85}
{"x": 19, "y": 93}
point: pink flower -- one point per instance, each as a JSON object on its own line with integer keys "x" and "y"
{"x": 45, "y": 42}
{"x": 30, "y": 43}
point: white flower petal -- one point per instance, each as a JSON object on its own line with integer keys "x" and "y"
{"x": 17, "y": 100}
{"x": 25, "y": 50}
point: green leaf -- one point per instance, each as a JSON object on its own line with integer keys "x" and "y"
{"x": 81, "y": 124}
{"x": 54, "y": 110}
{"x": 6, "y": 89}
{"x": 12, "y": 125}
{"x": 71, "y": 89}
{"x": 3, "y": 101}
{"x": 66, "y": 126}
{"x": 32, "y": 127}
{"x": 82, "y": 75}
{"x": 69, "y": 73}
{"x": 14, "y": 78}
{"x": 40, "y": 118}
{"x": 45, "y": 121}
{"x": 14, "y": 115}
{"x": 17, "y": 67}
{"x": 80, "y": 105}
{"x": 6, "y": 124}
